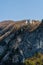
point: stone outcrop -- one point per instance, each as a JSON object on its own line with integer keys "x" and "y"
{"x": 20, "y": 40}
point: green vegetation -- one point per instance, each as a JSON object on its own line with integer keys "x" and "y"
{"x": 37, "y": 59}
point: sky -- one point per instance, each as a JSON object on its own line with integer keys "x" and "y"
{"x": 21, "y": 9}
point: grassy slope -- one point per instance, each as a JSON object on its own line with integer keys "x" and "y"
{"x": 6, "y": 25}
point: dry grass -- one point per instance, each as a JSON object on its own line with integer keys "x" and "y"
{"x": 8, "y": 27}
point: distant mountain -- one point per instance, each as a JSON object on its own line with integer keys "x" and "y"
{"x": 20, "y": 40}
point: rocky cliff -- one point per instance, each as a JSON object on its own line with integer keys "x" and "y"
{"x": 20, "y": 40}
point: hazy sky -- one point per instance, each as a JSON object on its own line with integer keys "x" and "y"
{"x": 21, "y": 9}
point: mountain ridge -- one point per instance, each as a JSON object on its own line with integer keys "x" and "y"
{"x": 20, "y": 40}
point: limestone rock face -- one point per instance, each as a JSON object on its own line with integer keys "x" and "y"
{"x": 20, "y": 40}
